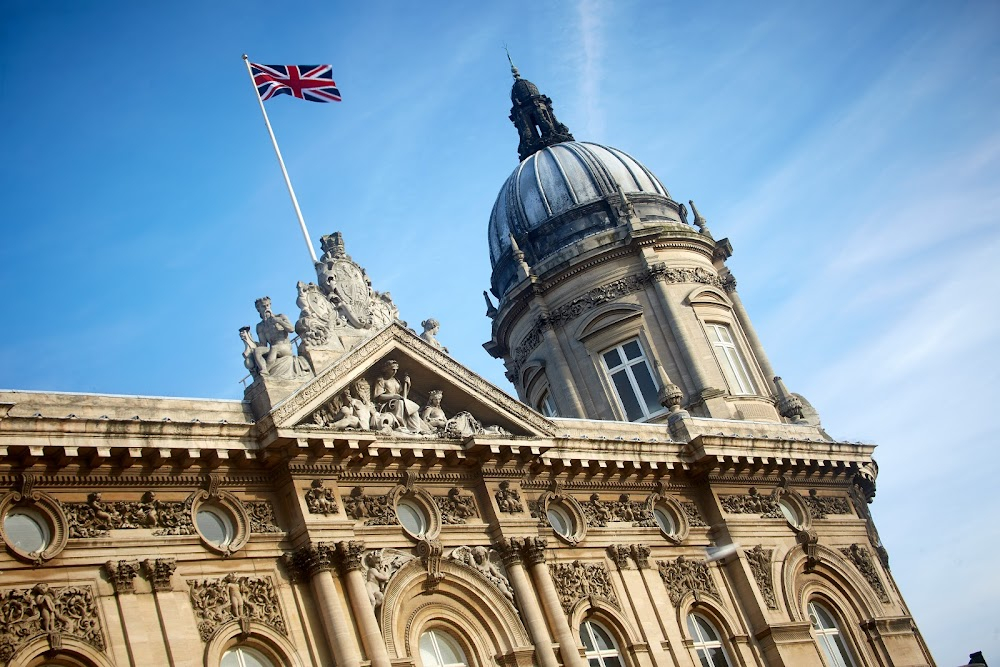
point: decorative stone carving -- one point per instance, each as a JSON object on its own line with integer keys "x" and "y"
{"x": 431, "y": 328}
{"x": 430, "y": 552}
{"x": 391, "y": 396}
{"x": 379, "y": 566}
{"x": 580, "y": 581}
{"x": 759, "y": 560}
{"x": 533, "y": 550}
{"x": 820, "y": 506}
{"x": 432, "y": 414}
{"x": 752, "y": 503}
{"x": 538, "y": 511}
{"x": 159, "y": 572}
{"x": 96, "y": 517}
{"x": 508, "y": 499}
{"x": 640, "y": 554}
{"x": 235, "y": 598}
{"x": 310, "y": 560}
{"x": 121, "y": 574}
{"x": 353, "y": 409}
{"x": 69, "y": 611}
{"x": 693, "y": 515}
{"x": 809, "y": 540}
{"x": 321, "y": 500}
{"x": 261, "y": 515}
{"x": 600, "y": 512}
{"x": 271, "y": 355}
{"x": 862, "y": 560}
{"x": 375, "y": 510}
{"x": 455, "y": 508}
{"x": 619, "y": 555}
{"x": 486, "y": 562}
{"x": 351, "y": 554}
{"x": 684, "y": 576}
{"x": 860, "y": 500}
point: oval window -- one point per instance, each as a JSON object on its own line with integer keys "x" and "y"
{"x": 560, "y": 520}
{"x": 215, "y": 525}
{"x": 790, "y": 512}
{"x": 411, "y": 516}
{"x": 666, "y": 520}
{"x": 27, "y": 530}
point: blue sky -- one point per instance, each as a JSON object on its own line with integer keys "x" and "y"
{"x": 850, "y": 151}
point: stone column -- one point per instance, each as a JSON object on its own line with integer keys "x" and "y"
{"x": 317, "y": 562}
{"x": 568, "y": 398}
{"x": 534, "y": 622}
{"x": 351, "y": 555}
{"x": 534, "y": 555}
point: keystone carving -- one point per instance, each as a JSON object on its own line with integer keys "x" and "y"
{"x": 486, "y": 562}
{"x": 234, "y": 598}
{"x": 455, "y": 508}
{"x": 375, "y": 510}
{"x": 26, "y": 613}
{"x": 96, "y": 517}
{"x": 320, "y": 499}
{"x": 430, "y": 552}
{"x": 508, "y": 499}
{"x": 862, "y": 560}
{"x": 684, "y": 576}
{"x": 581, "y": 581}
{"x": 820, "y": 506}
{"x": 759, "y": 559}
{"x": 121, "y": 574}
{"x": 159, "y": 572}
{"x": 752, "y": 503}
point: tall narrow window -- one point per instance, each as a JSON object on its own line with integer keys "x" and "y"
{"x": 438, "y": 649}
{"x": 732, "y": 363}
{"x": 600, "y": 645}
{"x": 546, "y": 405}
{"x": 632, "y": 378}
{"x": 828, "y": 636}
{"x": 707, "y": 644}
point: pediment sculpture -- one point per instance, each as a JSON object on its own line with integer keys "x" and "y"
{"x": 272, "y": 354}
{"x": 387, "y": 406}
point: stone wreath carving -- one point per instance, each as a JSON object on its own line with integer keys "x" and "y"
{"x": 456, "y": 508}
{"x": 387, "y": 406}
{"x": 863, "y": 561}
{"x": 68, "y": 611}
{"x": 821, "y": 506}
{"x": 582, "y": 581}
{"x": 508, "y": 499}
{"x": 235, "y": 598}
{"x": 378, "y": 566}
{"x": 759, "y": 559}
{"x": 752, "y": 503}
{"x": 486, "y": 562}
{"x": 51, "y": 512}
{"x": 320, "y": 499}
{"x": 684, "y": 576}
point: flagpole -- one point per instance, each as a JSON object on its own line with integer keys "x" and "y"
{"x": 288, "y": 182}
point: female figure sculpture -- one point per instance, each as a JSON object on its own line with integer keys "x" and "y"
{"x": 390, "y": 395}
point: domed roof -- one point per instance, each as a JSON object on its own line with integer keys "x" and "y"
{"x": 522, "y": 90}
{"x": 559, "y": 178}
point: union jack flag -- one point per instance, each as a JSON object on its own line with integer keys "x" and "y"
{"x": 306, "y": 82}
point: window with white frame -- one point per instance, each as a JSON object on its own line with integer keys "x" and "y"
{"x": 439, "y": 649}
{"x": 244, "y": 656}
{"x": 829, "y": 637}
{"x": 600, "y": 646}
{"x": 546, "y": 405}
{"x": 632, "y": 378}
{"x": 707, "y": 644}
{"x": 733, "y": 366}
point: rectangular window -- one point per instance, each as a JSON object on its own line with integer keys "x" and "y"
{"x": 632, "y": 378}
{"x": 729, "y": 357}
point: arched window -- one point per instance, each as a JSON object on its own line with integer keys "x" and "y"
{"x": 602, "y": 651}
{"x": 438, "y": 649}
{"x": 707, "y": 644}
{"x": 244, "y": 656}
{"x": 829, "y": 637}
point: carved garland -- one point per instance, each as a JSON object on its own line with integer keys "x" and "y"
{"x": 759, "y": 559}
{"x": 234, "y": 598}
{"x": 684, "y": 576}
{"x": 581, "y": 581}
{"x": 69, "y": 611}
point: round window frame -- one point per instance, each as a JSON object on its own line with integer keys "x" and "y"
{"x": 51, "y": 513}
{"x": 422, "y": 501}
{"x": 791, "y": 501}
{"x": 224, "y": 503}
{"x": 572, "y": 509}
{"x": 671, "y": 506}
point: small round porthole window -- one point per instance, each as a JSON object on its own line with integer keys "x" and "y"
{"x": 27, "y": 530}
{"x": 666, "y": 520}
{"x": 215, "y": 525}
{"x": 412, "y": 517}
{"x": 560, "y": 520}
{"x": 790, "y": 512}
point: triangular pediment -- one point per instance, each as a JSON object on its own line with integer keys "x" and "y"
{"x": 319, "y": 404}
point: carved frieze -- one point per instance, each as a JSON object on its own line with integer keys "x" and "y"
{"x": 683, "y": 576}
{"x": 821, "y": 506}
{"x": 693, "y": 515}
{"x": 456, "y": 508}
{"x": 486, "y": 562}
{"x": 235, "y": 598}
{"x": 580, "y": 581}
{"x": 159, "y": 572}
{"x": 68, "y": 611}
{"x": 121, "y": 574}
{"x": 261, "y": 515}
{"x": 508, "y": 499}
{"x": 320, "y": 499}
{"x": 863, "y": 560}
{"x": 374, "y": 510}
{"x": 96, "y": 517}
{"x": 759, "y": 559}
{"x": 752, "y": 503}
{"x": 601, "y": 512}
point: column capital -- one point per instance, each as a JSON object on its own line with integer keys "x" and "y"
{"x": 351, "y": 555}
{"x": 534, "y": 550}
{"x": 306, "y": 562}
{"x": 159, "y": 572}
{"x": 122, "y": 575}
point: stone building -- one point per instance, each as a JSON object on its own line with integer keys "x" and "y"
{"x": 656, "y": 498}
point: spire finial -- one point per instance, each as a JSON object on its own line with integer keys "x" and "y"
{"x": 513, "y": 69}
